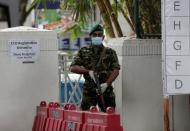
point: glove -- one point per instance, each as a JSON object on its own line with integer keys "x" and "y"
{"x": 91, "y": 74}
{"x": 103, "y": 87}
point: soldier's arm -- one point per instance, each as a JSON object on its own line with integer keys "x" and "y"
{"x": 78, "y": 69}
{"x": 77, "y": 64}
{"x": 115, "y": 68}
{"x": 112, "y": 76}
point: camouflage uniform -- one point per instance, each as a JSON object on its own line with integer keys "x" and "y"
{"x": 88, "y": 57}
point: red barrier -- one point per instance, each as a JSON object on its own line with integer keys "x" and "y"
{"x": 41, "y": 117}
{"x": 73, "y": 120}
{"x": 55, "y": 119}
{"x": 99, "y": 121}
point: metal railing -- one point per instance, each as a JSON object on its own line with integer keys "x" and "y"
{"x": 71, "y": 84}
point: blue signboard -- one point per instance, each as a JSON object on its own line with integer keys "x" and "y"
{"x": 68, "y": 44}
{"x": 53, "y": 4}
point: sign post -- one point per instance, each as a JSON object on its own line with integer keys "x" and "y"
{"x": 175, "y": 51}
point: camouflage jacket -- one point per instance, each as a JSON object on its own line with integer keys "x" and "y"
{"x": 89, "y": 58}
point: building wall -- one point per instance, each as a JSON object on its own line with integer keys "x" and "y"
{"x": 24, "y": 85}
{"x": 14, "y": 11}
{"x": 138, "y": 88}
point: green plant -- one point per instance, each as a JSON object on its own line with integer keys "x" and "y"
{"x": 149, "y": 14}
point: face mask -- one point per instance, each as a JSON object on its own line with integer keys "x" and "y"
{"x": 96, "y": 40}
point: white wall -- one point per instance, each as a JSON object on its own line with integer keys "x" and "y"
{"x": 23, "y": 86}
{"x": 138, "y": 88}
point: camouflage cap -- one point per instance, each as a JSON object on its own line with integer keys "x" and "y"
{"x": 97, "y": 27}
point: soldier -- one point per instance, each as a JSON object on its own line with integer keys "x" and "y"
{"x": 99, "y": 59}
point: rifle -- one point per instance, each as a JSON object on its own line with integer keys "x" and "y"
{"x": 99, "y": 92}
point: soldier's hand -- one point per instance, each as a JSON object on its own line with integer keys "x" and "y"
{"x": 103, "y": 87}
{"x": 91, "y": 74}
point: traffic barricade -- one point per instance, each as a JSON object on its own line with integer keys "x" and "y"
{"x": 99, "y": 121}
{"x": 73, "y": 119}
{"x": 55, "y": 117}
{"x": 41, "y": 117}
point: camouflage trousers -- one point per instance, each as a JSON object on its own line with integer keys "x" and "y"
{"x": 92, "y": 99}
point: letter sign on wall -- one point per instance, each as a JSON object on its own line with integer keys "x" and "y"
{"x": 176, "y": 46}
